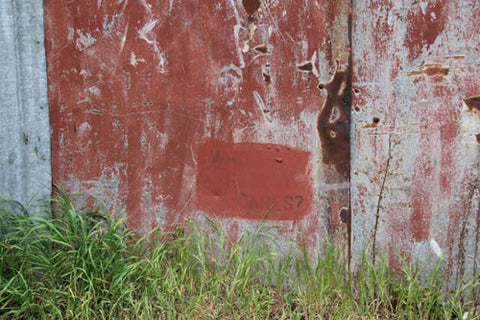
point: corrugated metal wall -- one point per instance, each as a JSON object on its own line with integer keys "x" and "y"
{"x": 25, "y": 168}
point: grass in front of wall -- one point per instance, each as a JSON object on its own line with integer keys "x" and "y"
{"x": 88, "y": 265}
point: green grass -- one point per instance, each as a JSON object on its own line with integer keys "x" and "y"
{"x": 80, "y": 264}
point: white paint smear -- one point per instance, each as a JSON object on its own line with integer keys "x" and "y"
{"x": 436, "y": 248}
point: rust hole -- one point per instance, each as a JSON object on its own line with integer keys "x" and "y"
{"x": 373, "y": 124}
{"x": 344, "y": 215}
{"x": 251, "y": 6}
{"x": 473, "y": 102}
{"x": 356, "y": 90}
{"x": 267, "y": 78}
{"x": 263, "y": 49}
{"x": 357, "y": 109}
{"x": 307, "y": 66}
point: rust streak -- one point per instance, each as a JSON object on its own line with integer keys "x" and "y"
{"x": 473, "y": 102}
{"x": 431, "y": 70}
{"x": 457, "y": 57}
{"x": 334, "y": 121}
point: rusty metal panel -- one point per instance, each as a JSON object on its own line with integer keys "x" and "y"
{"x": 416, "y": 126}
{"x": 24, "y": 117}
{"x": 168, "y": 109}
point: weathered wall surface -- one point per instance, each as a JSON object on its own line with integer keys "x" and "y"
{"x": 416, "y": 126}
{"x": 242, "y": 110}
{"x": 169, "y": 109}
{"x": 24, "y": 118}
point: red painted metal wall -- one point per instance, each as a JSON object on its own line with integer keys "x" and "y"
{"x": 168, "y": 109}
{"x": 269, "y": 110}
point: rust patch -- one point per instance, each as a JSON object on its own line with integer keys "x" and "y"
{"x": 253, "y": 181}
{"x": 251, "y": 6}
{"x": 473, "y": 102}
{"x": 477, "y": 136}
{"x": 456, "y": 57}
{"x": 430, "y": 70}
{"x": 334, "y": 121}
{"x": 373, "y": 124}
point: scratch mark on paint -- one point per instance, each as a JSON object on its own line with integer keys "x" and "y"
{"x": 146, "y": 6}
{"x": 263, "y": 109}
{"x": 95, "y": 111}
{"x": 236, "y": 34}
{"x": 380, "y": 197}
{"x": 193, "y": 156}
{"x": 124, "y": 37}
{"x": 142, "y": 33}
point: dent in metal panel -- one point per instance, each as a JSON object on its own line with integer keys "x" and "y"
{"x": 24, "y": 121}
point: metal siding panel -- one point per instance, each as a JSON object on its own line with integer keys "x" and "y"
{"x": 24, "y": 121}
{"x": 146, "y": 94}
{"x": 415, "y": 151}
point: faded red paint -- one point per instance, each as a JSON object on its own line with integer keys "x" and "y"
{"x": 423, "y": 28}
{"x": 253, "y": 181}
{"x": 135, "y": 88}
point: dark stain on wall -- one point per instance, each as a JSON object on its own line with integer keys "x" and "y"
{"x": 333, "y": 122}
